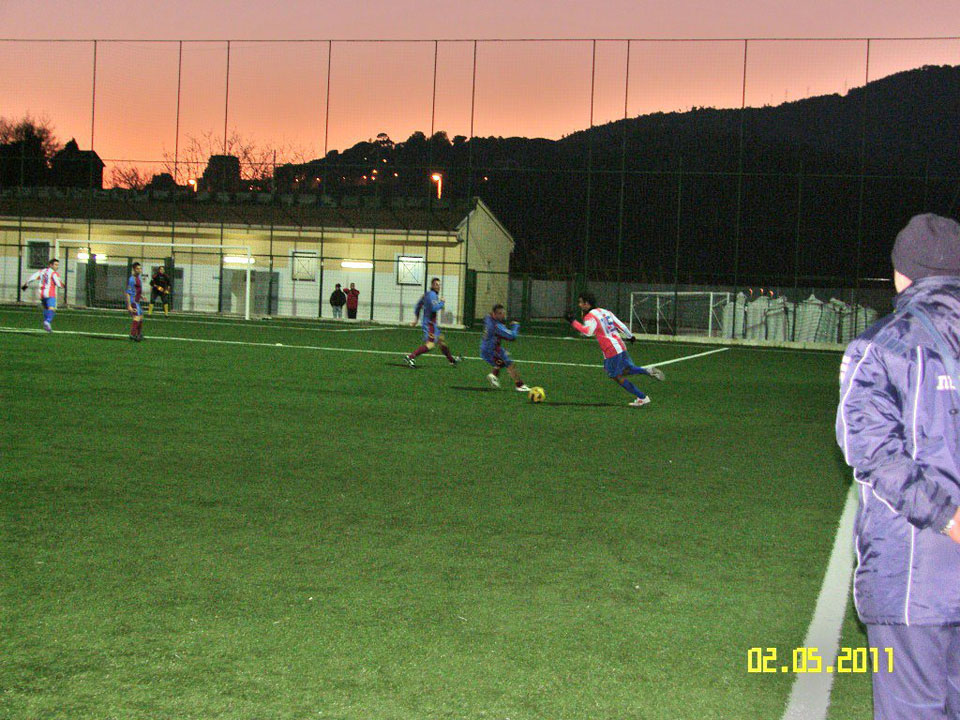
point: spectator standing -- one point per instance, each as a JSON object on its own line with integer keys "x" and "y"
{"x": 337, "y": 300}
{"x": 897, "y": 425}
{"x": 353, "y": 301}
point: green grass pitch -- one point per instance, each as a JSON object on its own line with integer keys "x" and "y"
{"x": 235, "y": 529}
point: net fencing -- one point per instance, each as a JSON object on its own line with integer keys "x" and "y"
{"x": 678, "y": 313}
{"x": 204, "y": 278}
{"x": 620, "y": 164}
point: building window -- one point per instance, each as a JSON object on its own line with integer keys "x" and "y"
{"x": 411, "y": 269}
{"x": 304, "y": 267}
{"x": 38, "y": 254}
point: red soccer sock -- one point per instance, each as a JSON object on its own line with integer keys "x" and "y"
{"x": 519, "y": 383}
{"x": 419, "y": 351}
{"x": 446, "y": 352}
{"x": 133, "y": 327}
{"x": 495, "y": 372}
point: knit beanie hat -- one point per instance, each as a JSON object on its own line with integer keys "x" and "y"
{"x": 928, "y": 245}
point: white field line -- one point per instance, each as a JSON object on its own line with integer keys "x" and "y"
{"x": 326, "y": 348}
{"x": 810, "y": 695}
{"x": 316, "y": 327}
{"x": 688, "y": 357}
{"x": 323, "y": 325}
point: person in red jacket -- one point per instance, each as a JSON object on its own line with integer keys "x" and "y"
{"x": 353, "y": 300}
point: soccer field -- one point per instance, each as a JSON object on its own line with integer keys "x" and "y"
{"x": 279, "y": 519}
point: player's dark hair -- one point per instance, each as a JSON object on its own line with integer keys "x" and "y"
{"x": 496, "y": 307}
{"x": 52, "y": 261}
{"x": 433, "y": 280}
{"x": 589, "y": 298}
{"x": 136, "y": 264}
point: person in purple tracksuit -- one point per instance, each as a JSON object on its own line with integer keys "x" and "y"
{"x": 898, "y": 423}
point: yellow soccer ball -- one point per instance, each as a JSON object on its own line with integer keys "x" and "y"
{"x": 536, "y": 395}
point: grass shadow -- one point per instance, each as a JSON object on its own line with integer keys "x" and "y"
{"x": 551, "y": 403}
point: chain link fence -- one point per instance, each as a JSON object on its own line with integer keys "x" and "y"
{"x": 736, "y": 166}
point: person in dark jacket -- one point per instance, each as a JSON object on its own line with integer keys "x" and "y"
{"x": 160, "y": 289}
{"x": 338, "y": 299}
{"x": 898, "y": 423}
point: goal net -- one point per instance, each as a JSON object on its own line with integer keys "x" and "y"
{"x": 204, "y": 278}
{"x": 678, "y": 313}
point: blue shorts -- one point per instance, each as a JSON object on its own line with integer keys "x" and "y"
{"x": 49, "y": 303}
{"x": 618, "y": 364}
{"x": 431, "y": 333}
{"x": 498, "y": 357}
{"x": 136, "y": 309}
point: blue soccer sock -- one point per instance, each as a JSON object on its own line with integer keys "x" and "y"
{"x": 631, "y": 388}
{"x": 47, "y": 315}
{"x": 637, "y": 370}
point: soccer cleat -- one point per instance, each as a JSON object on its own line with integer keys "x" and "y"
{"x": 457, "y": 359}
{"x": 522, "y": 388}
{"x": 493, "y": 380}
{"x": 46, "y": 326}
{"x": 410, "y": 361}
{"x": 656, "y": 373}
{"x": 640, "y": 402}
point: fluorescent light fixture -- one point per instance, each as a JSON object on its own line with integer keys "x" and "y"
{"x": 357, "y": 264}
{"x": 238, "y": 260}
{"x": 84, "y": 256}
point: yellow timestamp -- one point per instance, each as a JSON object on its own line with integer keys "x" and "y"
{"x": 808, "y": 660}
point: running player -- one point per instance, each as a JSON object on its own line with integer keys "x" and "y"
{"x": 490, "y": 349}
{"x": 49, "y": 280}
{"x": 607, "y": 327}
{"x": 134, "y": 297}
{"x": 430, "y": 304}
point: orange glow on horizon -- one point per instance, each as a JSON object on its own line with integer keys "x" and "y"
{"x": 277, "y": 100}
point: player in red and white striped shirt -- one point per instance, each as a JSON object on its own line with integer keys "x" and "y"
{"x": 607, "y": 327}
{"x": 49, "y": 280}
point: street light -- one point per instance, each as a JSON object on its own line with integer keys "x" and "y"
{"x": 438, "y": 179}
{"x": 192, "y": 183}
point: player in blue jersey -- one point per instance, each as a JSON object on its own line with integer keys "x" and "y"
{"x": 494, "y": 331}
{"x": 134, "y": 296}
{"x": 427, "y": 312}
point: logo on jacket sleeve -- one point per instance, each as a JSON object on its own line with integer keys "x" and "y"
{"x": 844, "y": 364}
{"x": 945, "y": 382}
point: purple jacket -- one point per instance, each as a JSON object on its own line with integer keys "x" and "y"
{"x": 899, "y": 428}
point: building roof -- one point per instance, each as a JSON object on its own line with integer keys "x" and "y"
{"x": 243, "y": 209}
{"x": 71, "y": 152}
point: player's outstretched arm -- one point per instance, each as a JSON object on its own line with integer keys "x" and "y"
{"x": 32, "y": 278}
{"x": 623, "y": 329}
{"x": 588, "y": 328}
{"x": 508, "y": 333}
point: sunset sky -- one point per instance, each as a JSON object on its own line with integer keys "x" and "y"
{"x": 278, "y": 91}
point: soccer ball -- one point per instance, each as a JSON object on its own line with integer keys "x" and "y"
{"x": 536, "y": 395}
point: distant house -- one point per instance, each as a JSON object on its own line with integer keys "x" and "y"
{"x": 76, "y": 168}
